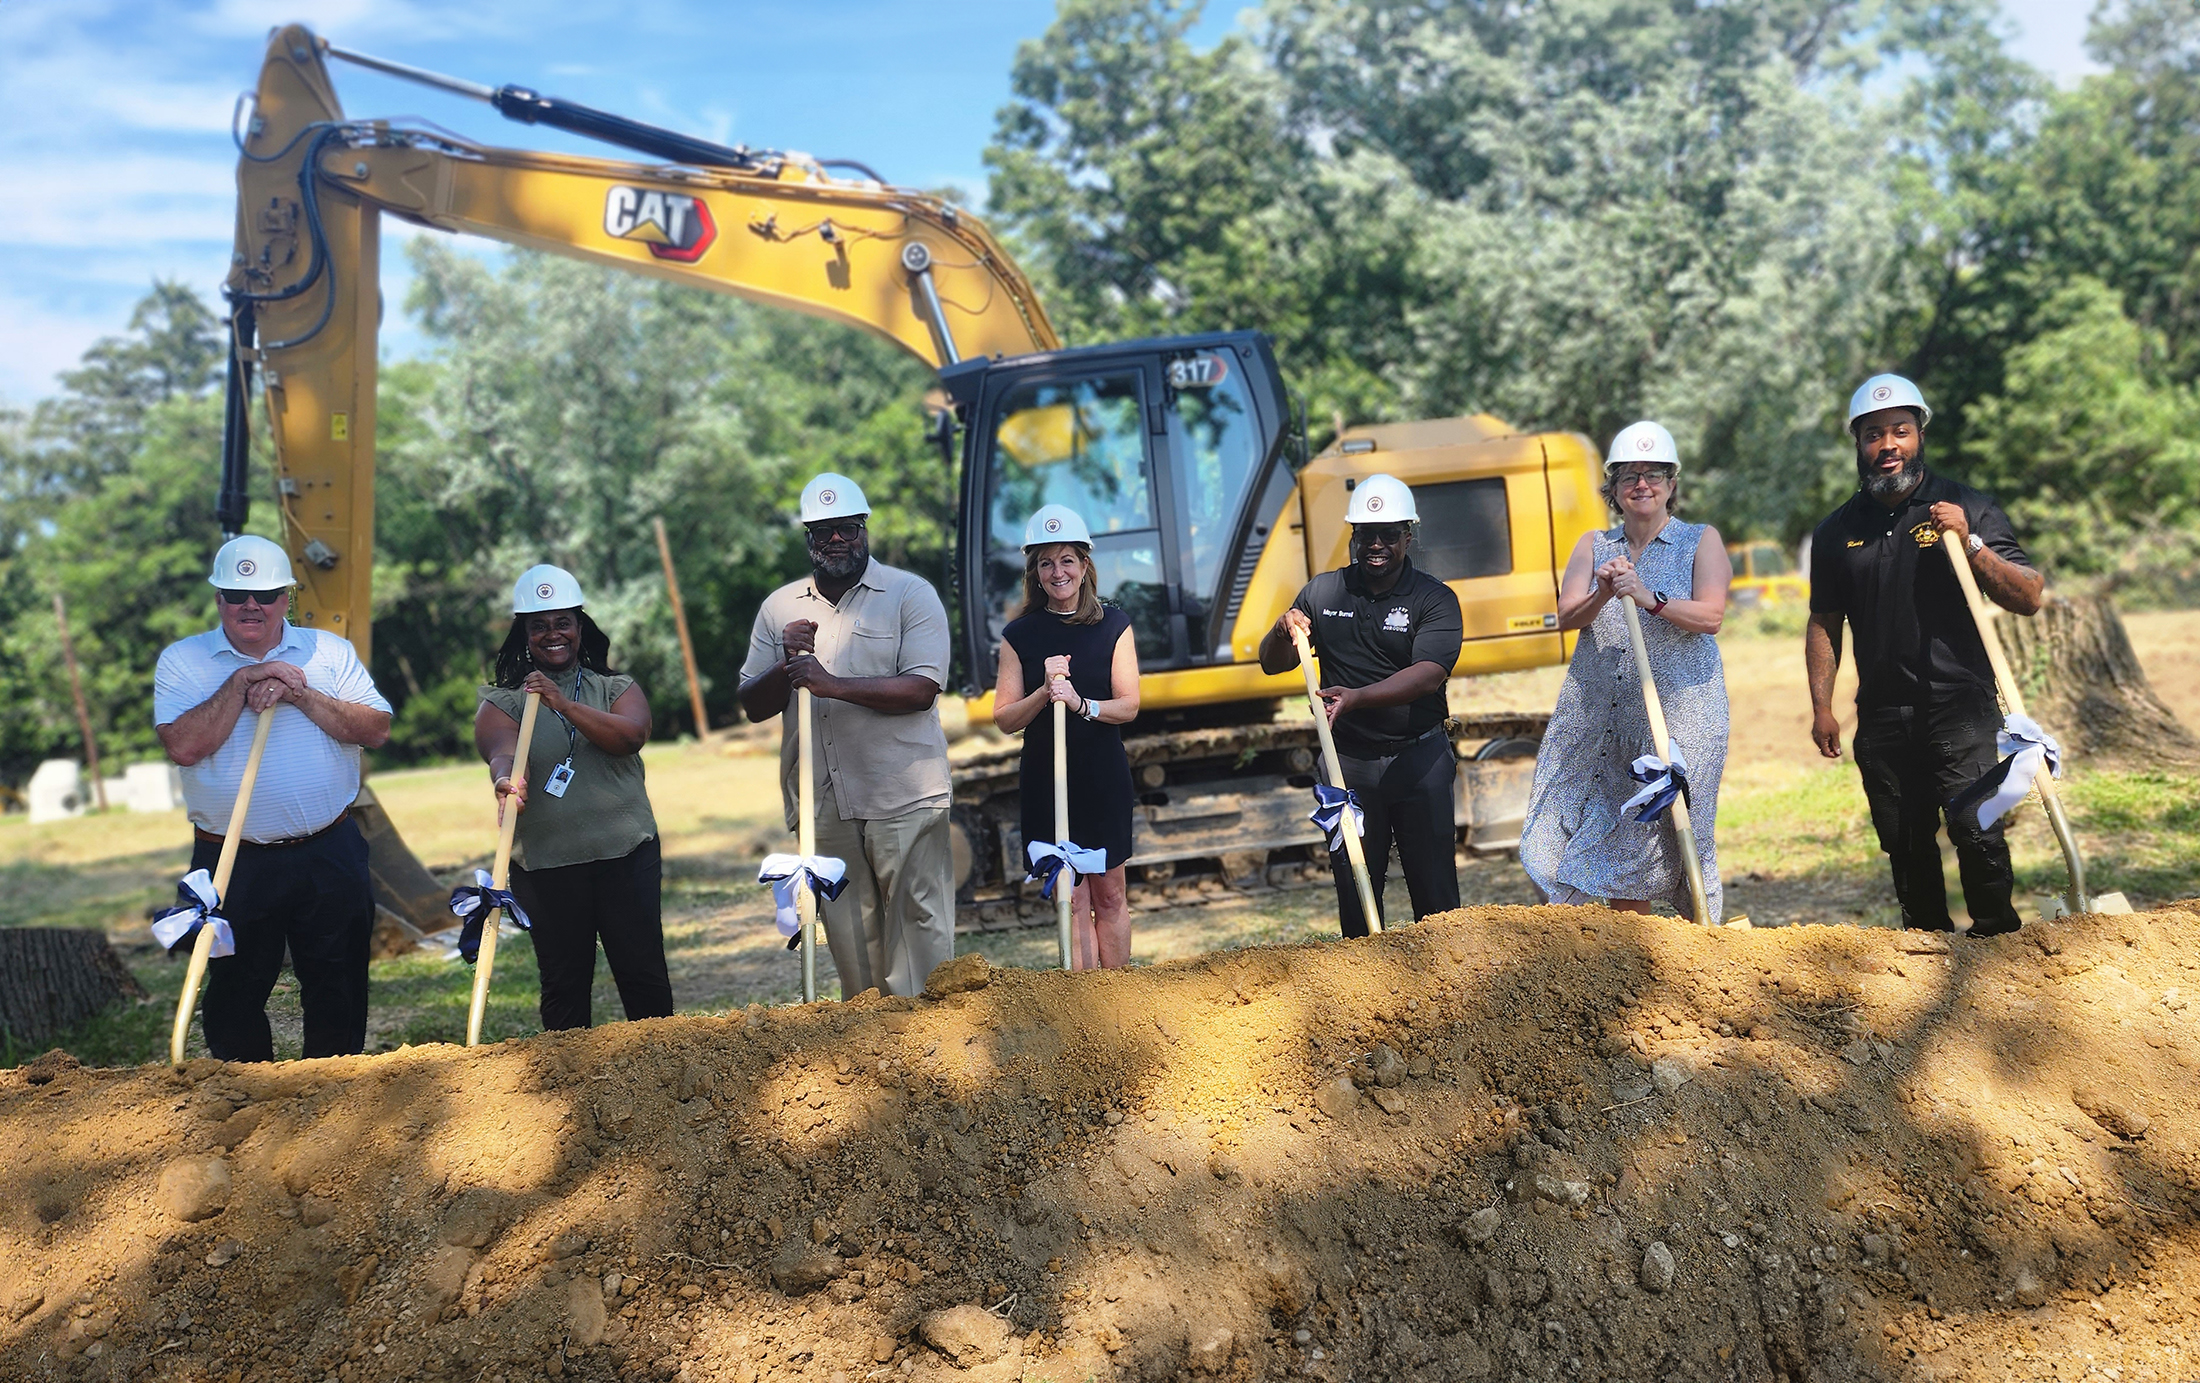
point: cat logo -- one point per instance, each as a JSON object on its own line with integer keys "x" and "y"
{"x": 1925, "y": 535}
{"x": 674, "y": 226}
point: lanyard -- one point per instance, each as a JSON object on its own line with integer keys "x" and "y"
{"x": 572, "y": 736}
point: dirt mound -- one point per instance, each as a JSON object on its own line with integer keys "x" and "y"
{"x": 1506, "y": 1143}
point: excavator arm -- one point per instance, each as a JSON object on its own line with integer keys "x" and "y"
{"x": 771, "y": 228}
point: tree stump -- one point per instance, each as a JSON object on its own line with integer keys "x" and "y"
{"x": 2083, "y": 684}
{"x": 52, "y": 978}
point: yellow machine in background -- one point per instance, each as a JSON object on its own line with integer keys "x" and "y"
{"x": 1764, "y": 575}
{"x": 1182, "y": 453}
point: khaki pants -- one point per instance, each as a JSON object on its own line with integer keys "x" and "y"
{"x": 895, "y": 920}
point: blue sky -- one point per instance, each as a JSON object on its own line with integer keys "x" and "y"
{"x": 114, "y": 114}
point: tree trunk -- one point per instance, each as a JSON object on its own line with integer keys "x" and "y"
{"x": 2082, "y": 682}
{"x": 52, "y": 979}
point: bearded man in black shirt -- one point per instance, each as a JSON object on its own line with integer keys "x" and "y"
{"x": 1388, "y": 637}
{"x": 1926, "y": 711}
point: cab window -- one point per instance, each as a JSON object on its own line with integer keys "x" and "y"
{"x": 1220, "y": 451}
{"x": 1080, "y": 443}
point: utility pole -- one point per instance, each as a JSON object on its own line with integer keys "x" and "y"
{"x": 680, "y": 622}
{"x": 76, "y": 689}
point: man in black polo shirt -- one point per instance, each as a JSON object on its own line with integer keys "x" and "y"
{"x": 1926, "y": 711}
{"x": 1387, "y": 636}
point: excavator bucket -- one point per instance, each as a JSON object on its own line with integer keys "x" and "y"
{"x": 402, "y": 886}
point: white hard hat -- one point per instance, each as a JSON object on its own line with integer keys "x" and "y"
{"x": 1887, "y": 391}
{"x": 1055, "y": 523}
{"x": 1381, "y": 499}
{"x": 1644, "y": 442}
{"x": 251, "y": 564}
{"x": 545, "y": 588}
{"x": 832, "y": 496}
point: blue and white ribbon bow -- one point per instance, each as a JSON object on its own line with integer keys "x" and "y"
{"x": 195, "y": 904}
{"x": 1332, "y": 808}
{"x": 474, "y": 904}
{"x": 2024, "y": 746}
{"x": 820, "y": 874}
{"x": 1049, "y": 859}
{"x": 1663, "y": 780}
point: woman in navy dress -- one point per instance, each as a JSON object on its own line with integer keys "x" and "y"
{"x": 1082, "y": 652}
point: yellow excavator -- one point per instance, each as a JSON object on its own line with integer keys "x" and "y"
{"x": 1183, "y": 453}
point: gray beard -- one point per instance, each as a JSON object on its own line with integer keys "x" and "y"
{"x": 1893, "y": 486}
{"x": 845, "y": 567}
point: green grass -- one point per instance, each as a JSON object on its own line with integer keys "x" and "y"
{"x": 2139, "y": 834}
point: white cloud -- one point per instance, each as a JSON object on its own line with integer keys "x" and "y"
{"x": 36, "y": 344}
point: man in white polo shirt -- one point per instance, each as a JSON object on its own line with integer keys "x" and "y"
{"x": 301, "y": 874}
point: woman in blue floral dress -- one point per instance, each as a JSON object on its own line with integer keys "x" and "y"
{"x": 1578, "y": 845}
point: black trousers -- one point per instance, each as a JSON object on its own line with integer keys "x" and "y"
{"x": 1914, "y": 759}
{"x": 312, "y": 898}
{"x": 574, "y": 906}
{"x": 1406, "y": 797}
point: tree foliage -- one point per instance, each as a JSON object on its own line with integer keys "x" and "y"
{"x": 1571, "y": 213}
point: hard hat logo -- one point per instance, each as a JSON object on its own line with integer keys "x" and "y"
{"x": 827, "y": 497}
{"x": 1054, "y": 525}
{"x": 674, "y": 226}
{"x": 1374, "y": 504}
{"x": 1646, "y": 443}
{"x": 545, "y": 590}
{"x": 1882, "y": 394}
{"x": 247, "y": 567}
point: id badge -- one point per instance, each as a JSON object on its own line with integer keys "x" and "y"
{"x": 560, "y": 777}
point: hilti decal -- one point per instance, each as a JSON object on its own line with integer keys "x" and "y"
{"x": 674, "y": 225}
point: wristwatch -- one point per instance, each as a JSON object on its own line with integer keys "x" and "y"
{"x": 1976, "y": 544}
{"x": 1661, "y": 602}
{"x": 1088, "y": 709}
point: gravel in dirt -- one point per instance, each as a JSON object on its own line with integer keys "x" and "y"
{"x": 1505, "y": 1143}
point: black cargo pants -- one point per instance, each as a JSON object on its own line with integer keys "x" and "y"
{"x": 1914, "y": 760}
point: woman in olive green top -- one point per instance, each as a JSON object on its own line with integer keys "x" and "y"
{"x": 585, "y": 861}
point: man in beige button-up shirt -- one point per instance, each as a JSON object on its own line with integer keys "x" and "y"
{"x": 870, "y": 642}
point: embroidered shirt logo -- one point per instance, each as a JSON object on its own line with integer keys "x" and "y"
{"x": 1856, "y": 542}
{"x": 1925, "y": 535}
{"x": 1336, "y": 614}
{"x": 1397, "y": 619}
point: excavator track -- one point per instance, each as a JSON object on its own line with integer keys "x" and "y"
{"x": 1220, "y": 811}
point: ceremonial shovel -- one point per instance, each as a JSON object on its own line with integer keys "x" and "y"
{"x": 2012, "y": 700}
{"x": 806, "y": 840}
{"x": 1352, "y": 848}
{"x": 202, "y": 945}
{"x": 1066, "y": 880}
{"x": 1684, "y": 833}
{"x": 501, "y": 878}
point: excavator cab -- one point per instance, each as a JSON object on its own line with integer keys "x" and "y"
{"x": 1165, "y": 447}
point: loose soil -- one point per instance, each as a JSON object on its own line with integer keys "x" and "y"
{"x": 1509, "y": 1142}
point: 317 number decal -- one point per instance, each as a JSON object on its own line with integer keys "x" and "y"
{"x": 1198, "y": 372}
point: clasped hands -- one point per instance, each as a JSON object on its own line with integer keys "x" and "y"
{"x": 1620, "y": 580}
{"x": 799, "y": 640}
{"x": 266, "y": 685}
{"x": 1058, "y": 685}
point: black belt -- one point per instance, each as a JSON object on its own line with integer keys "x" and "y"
{"x": 1391, "y": 749}
{"x": 201, "y": 833}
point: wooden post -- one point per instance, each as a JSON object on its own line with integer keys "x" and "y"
{"x": 680, "y": 623}
{"x": 1065, "y": 881}
{"x": 76, "y": 690}
{"x": 202, "y": 945}
{"x": 2012, "y": 700}
{"x": 1684, "y": 830}
{"x": 805, "y": 828}
{"x": 500, "y": 875}
{"x": 1352, "y": 848}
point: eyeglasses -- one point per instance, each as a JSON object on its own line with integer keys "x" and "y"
{"x": 264, "y": 599}
{"x": 826, "y": 530}
{"x": 1658, "y": 474}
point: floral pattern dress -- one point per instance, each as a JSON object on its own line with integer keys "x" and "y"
{"x": 1577, "y": 845}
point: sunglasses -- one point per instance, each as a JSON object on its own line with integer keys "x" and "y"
{"x": 1379, "y": 533}
{"x": 264, "y": 599}
{"x": 829, "y": 529}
